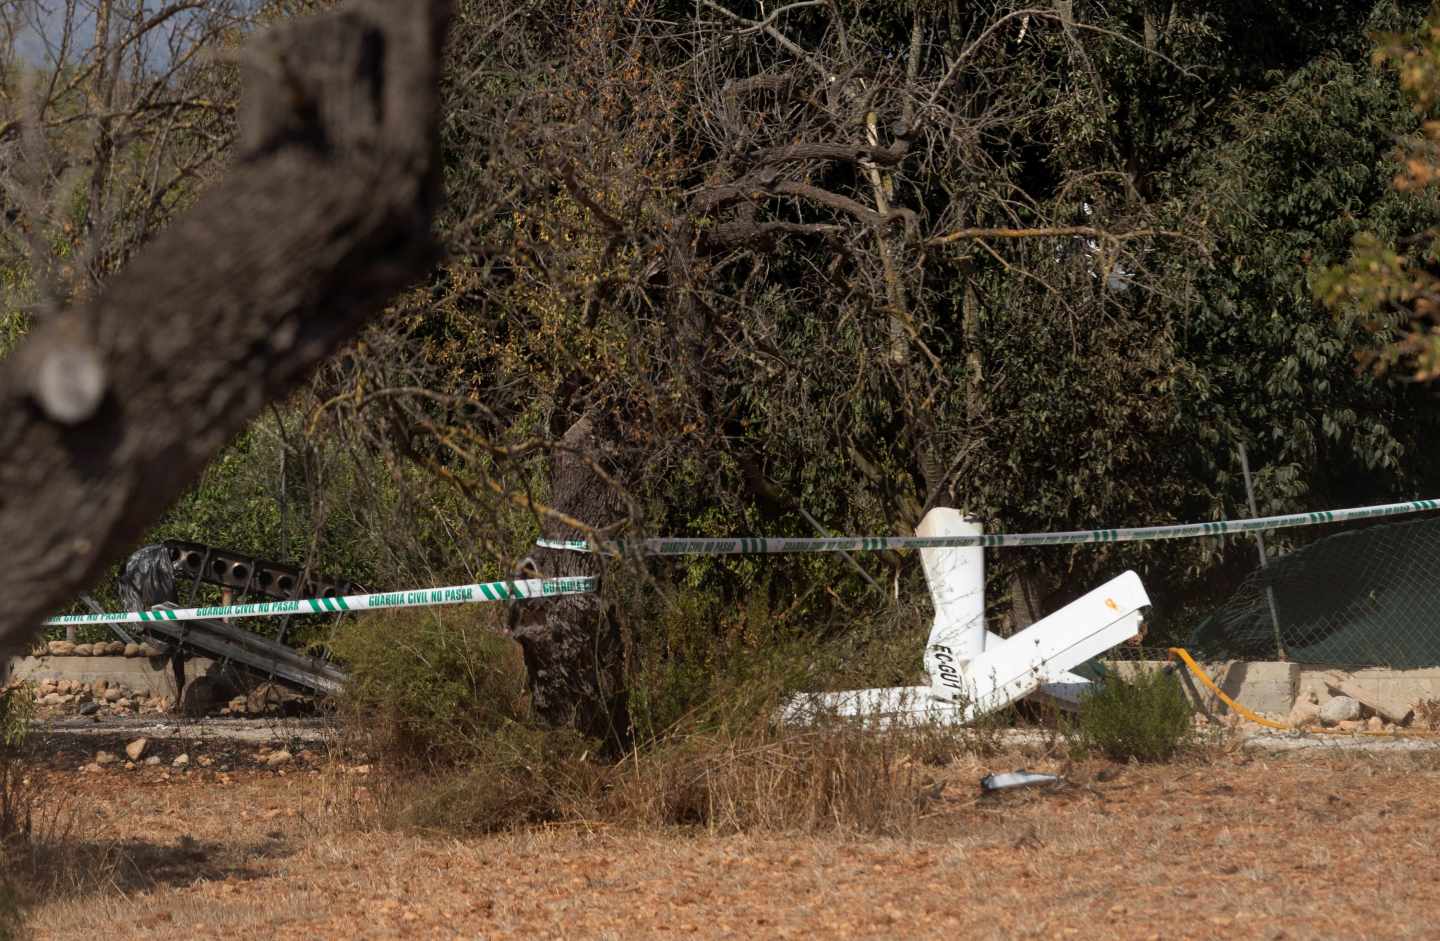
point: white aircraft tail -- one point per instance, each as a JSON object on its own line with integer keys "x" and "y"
{"x": 973, "y": 672}
{"x": 957, "y": 587}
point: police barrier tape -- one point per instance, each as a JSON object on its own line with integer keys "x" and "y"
{"x": 420, "y": 597}
{"x": 775, "y": 546}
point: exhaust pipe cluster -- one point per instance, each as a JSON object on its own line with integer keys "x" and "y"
{"x": 247, "y": 574}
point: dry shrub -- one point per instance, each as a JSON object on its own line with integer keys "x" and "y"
{"x": 17, "y": 802}
{"x": 17, "y": 807}
{"x": 831, "y": 776}
{"x": 516, "y": 776}
{"x": 11, "y": 926}
{"x": 53, "y": 862}
{"x": 722, "y": 761}
{"x": 428, "y": 687}
{"x": 17, "y": 797}
{"x": 837, "y": 777}
{"x": 1144, "y": 716}
{"x": 438, "y": 697}
{"x": 1427, "y": 714}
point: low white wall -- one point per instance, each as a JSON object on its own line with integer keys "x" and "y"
{"x": 1398, "y": 689}
{"x": 1271, "y": 688}
{"x": 139, "y": 673}
{"x": 1264, "y": 686}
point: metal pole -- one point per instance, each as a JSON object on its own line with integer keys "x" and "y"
{"x": 204, "y": 564}
{"x": 284, "y": 512}
{"x": 1260, "y": 544}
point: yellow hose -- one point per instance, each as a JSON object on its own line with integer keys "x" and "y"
{"x": 1204, "y": 678}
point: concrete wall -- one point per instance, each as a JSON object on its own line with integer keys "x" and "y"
{"x": 138, "y": 673}
{"x": 1266, "y": 687}
{"x": 1398, "y": 689}
{"x": 1271, "y": 688}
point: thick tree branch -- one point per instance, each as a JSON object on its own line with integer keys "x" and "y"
{"x": 1073, "y": 231}
{"x": 762, "y": 185}
{"x": 728, "y": 234}
{"x": 885, "y": 156}
{"x": 109, "y": 411}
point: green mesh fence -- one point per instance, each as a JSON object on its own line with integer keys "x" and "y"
{"x": 1364, "y": 598}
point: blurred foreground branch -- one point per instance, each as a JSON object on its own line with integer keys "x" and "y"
{"x": 109, "y": 410}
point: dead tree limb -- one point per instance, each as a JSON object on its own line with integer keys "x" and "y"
{"x": 108, "y": 411}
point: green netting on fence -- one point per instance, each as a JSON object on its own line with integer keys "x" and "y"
{"x": 1365, "y": 598}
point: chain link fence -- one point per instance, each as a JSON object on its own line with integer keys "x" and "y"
{"x": 1364, "y": 598}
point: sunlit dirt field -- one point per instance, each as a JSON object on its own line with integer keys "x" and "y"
{"x": 1229, "y": 844}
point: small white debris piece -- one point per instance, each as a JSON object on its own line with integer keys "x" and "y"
{"x": 1008, "y": 779}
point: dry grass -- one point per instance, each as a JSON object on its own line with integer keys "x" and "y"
{"x": 1427, "y": 714}
{"x": 1222, "y": 845}
{"x": 17, "y": 802}
{"x": 439, "y": 699}
{"x": 834, "y": 777}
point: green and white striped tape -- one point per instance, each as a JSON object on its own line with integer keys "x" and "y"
{"x": 417, "y": 598}
{"x": 769, "y": 546}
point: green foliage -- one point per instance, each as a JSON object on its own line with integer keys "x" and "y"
{"x": 1143, "y": 716}
{"x": 1388, "y": 284}
{"x": 693, "y": 662}
{"x": 16, "y": 802}
{"x": 281, "y": 495}
{"x": 699, "y": 663}
{"x": 755, "y": 392}
{"x": 439, "y": 695}
{"x": 17, "y": 706}
{"x": 1265, "y": 147}
{"x": 432, "y": 686}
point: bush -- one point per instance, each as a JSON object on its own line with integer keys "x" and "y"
{"x": 515, "y": 776}
{"x": 16, "y": 795}
{"x": 439, "y": 694}
{"x": 696, "y": 663}
{"x": 693, "y": 661}
{"x": 428, "y": 687}
{"x": 17, "y": 705}
{"x": 1144, "y": 716}
{"x": 17, "y": 799}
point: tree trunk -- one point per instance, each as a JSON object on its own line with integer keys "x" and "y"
{"x": 110, "y": 410}
{"x": 1026, "y": 599}
{"x": 574, "y": 654}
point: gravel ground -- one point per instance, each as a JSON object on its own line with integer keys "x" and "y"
{"x": 240, "y": 730}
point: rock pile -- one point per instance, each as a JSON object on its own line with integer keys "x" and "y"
{"x": 105, "y": 698}
{"x": 1343, "y": 714}
{"x": 269, "y": 699}
{"x": 109, "y": 697}
{"x": 113, "y": 648}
